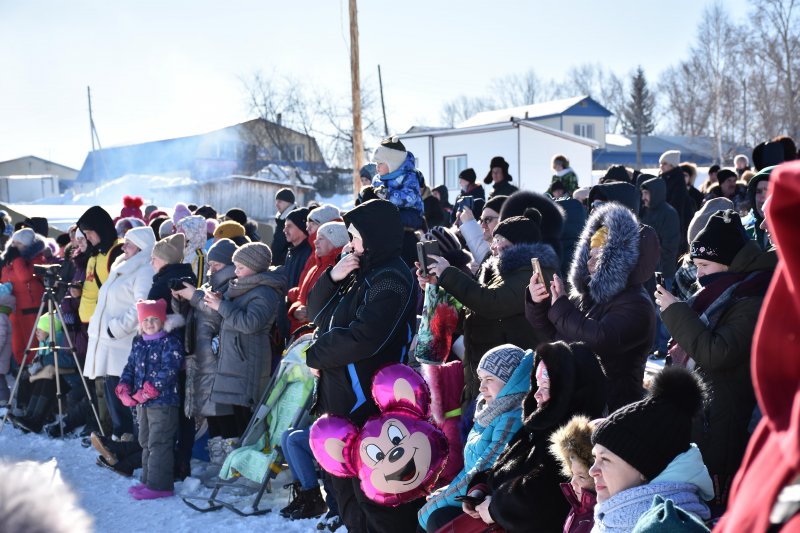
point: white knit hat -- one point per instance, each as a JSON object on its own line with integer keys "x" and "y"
{"x": 143, "y": 237}
{"x": 335, "y": 232}
{"x": 673, "y": 157}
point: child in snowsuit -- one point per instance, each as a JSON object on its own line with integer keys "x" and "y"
{"x": 7, "y": 303}
{"x": 399, "y": 181}
{"x": 149, "y": 382}
{"x": 572, "y": 446}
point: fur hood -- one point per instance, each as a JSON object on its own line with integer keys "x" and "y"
{"x": 173, "y": 322}
{"x": 519, "y": 256}
{"x": 620, "y": 257}
{"x": 572, "y": 439}
{"x": 37, "y": 247}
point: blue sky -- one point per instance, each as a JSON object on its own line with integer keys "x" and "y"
{"x": 161, "y": 69}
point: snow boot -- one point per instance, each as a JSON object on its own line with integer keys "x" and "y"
{"x": 104, "y": 445}
{"x": 216, "y": 455}
{"x": 114, "y": 468}
{"x": 330, "y": 522}
{"x": 312, "y": 505}
{"x": 294, "y": 500}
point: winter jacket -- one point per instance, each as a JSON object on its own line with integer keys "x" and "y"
{"x": 484, "y": 444}
{"x": 161, "y": 280}
{"x": 741, "y": 202}
{"x": 7, "y": 301}
{"x": 581, "y": 512}
{"x": 366, "y": 320}
{"x": 115, "y": 321}
{"x": 66, "y": 363}
{"x": 156, "y": 359}
{"x": 568, "y": 178}
{"x": 27, "y": 290}
{"x": 474, "y": 190}
{"x": 296, "y": 259}
{"x": 279, "y": 245}
{"x": 574, "y": 219}
{"x": 473, "y": 235}
{"x": 616, "y": 191}
{"x": 752, "y": 222}
{"x": 678, "y": 197}
{"x": 194, "y": 229}
{"x": 298, "y": 296}
{"x": 101, "y": 257}
{"x": 248, "y": 312}
{"x": 202, "y": 346}
{"x": 719, "y": 341}
{"x": 495, "y": 305}
{"x": 524, "y": 482}
{"x": 610, "y": 311}
{"x": 685, "y": 481}
{"x": 772, "y": 460}
{"x": 72, "y": 324}
{"x": 663, "y": 218}
{"x": 402, "y": 186}
{"x": 434, "y": 214}
{"x": 502, "y": 188}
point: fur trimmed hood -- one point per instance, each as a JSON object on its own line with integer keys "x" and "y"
{"x": 625, "y": 259}
{"x": 572, "y": 439}
{"x": 173, "y": 322}
{"x": 37, "y": 247}
{"x": 518, "y": 256}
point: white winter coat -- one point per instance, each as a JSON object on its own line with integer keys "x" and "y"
{"x": 128, "y": 281}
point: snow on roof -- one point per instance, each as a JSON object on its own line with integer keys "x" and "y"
{"x": 542, "y": 109}
{"x": 616, "y": 139}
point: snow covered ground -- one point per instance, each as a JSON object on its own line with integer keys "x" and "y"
{"x": 103, "y": 493}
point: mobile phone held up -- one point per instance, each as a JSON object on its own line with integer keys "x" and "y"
{"x": 425, "y": 249}
{"x": 660, "y": 278}
{"x": 537, "y": 269}
{"x": 465, "y": 201}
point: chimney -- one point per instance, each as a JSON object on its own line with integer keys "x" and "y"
{"x": 279, "y": 118}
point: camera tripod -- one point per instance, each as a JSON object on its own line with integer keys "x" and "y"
{"x": 49, "y": 299}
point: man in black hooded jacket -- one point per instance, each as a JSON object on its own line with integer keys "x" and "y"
{"x": 365, "y": 309}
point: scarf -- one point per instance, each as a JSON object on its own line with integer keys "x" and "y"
{"x": 485, "y": 414}
{"x": 240, "y": 286}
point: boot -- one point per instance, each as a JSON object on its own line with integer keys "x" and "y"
{"x": 294, "y": 501}
{"x": 35, "y": 416}
{"x": 311, "y": 506}
{"x": 215, "y": 454}
{"x": 5, "y": 393}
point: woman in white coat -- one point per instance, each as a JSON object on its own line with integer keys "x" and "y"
{"x": 114, "y": 322}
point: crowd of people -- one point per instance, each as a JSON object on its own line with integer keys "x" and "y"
{"x": 551, "y": 304}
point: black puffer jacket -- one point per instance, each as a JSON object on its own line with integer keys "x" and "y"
{"x": 366, "y": 320}
{"x": 678, "y": 197}
{"x": 610, "y": 311}
{"x": 524, "y": 481}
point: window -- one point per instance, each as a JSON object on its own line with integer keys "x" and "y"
{"x": 299, "y": 152}
{"x": 584, "y": 130}
{"x": 453, "y": 165}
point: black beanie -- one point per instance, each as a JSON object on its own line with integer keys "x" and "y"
{"x": 616, "y": 173}
{"x": 285, "y": 195}
{"x": 721, "y": 239}
{"x": 468, "y": 174}
{"x": 650, "y": 433}
{"x": 495, "y": 203}
{"x": 237, "y": 215}
{"x": 524, "y": 229}
{"x": 206, "y": 211}
{"x": 299, "y": 217}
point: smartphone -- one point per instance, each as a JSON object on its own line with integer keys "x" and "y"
{"x": 425, "y": 249}
{"x": 660, "y": 278}
{"x": 537, "y": 268}
{"x": 465, "y": 201}
{"x": 472, "y": 500}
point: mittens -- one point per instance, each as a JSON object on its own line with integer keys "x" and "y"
{"x": 146, "y": 393}
{"x": 123, "y": 392}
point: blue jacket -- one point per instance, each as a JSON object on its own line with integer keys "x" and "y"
{"x": 402, "y": 186}
{"x": 484, "y": 444}
{"x": 159, "y": 362}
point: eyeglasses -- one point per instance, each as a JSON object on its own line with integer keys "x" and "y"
{"x": 487, "y": 220}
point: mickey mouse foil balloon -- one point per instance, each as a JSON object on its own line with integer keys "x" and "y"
{"x": 397, "y": 454}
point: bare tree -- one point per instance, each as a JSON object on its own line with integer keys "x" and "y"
{"x": 462, "y": 108}
{"x": 521, "y": 89}
{"x": 603, "y": 85}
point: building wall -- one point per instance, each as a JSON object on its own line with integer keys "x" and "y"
{"x": 33, "y": 166}
{"x": 257, "y": 198}
{"x": 538, "y": 149}
{"x": 599, "y": 124}
{"x": 15, "y": 189}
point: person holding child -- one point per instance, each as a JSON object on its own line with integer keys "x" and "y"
{"x": 149, "y": 382}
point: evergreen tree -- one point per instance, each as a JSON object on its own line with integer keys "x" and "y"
{"x": 638, "y": 112}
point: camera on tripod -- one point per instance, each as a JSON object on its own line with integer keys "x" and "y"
{"x": 49, "y": 274}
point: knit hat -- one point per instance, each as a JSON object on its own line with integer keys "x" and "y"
{"x": 237, "y": 215}
{"x": 524, "y": 229}
{"x": 335, "y": 232}
{"x": 286, "y": 195}
{"x": 132, "y": 207}
{"x": 181, "y": 211}
{"x": 368, "y": 171}
{"x": 496, "y": 162}
{"x": 600, "y": 237}
{"x": 228, "y": 230}
{"x": 170, "y": 249}
{"x": 502, "y": 361}
{"x": 254, "y": 255}
{"x": 211, "y": 225}
{"x": 24, "y": 236}
{"x": 298, "y": 217}
{"x": 206, "y": 211}
{"x": 495, "y": 203}
{"x": 392, "y": 152}
{"x": 222, "y": 251}
{"x": 701, "y": 217}
{"x": 149, "y": 211}
{"x": 618, "y": 173}
{"x": 666, "y": 517}
{"x": 726, "y": 174}
{"x": 148, "y": 308}
{"x": 44, "y": 323}
{"x": 6, "y": 288}
{"x": 166, "y": 228}
{"x": 650, "y": 433}
{"x": 468, "y": 174}
{"x": 156, "y": 213}
{"x": 324, "y": 213}
{"x": 673, "y": 157}
{"x": 721, "y": 239}
{"x": 143, "y": 237}
{"x": 39, "y": 225}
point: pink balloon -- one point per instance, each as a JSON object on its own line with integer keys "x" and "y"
{"x": 397, "y": 454}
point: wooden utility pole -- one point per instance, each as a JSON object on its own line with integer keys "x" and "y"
{"x": 355, "y": 84}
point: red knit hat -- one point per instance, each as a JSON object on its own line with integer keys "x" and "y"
{"x": 148, "y": 308}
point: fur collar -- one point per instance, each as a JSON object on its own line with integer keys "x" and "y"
{"x": 173, "y": 322}
{"x": 618, "y": 259}
{"x": 519, "y": 256}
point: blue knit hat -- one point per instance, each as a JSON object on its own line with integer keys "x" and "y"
{"x": 502, "y": 361}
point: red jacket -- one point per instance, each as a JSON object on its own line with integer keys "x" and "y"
{"x": 772, "y": 460}
{"x": 581, "y": 513}
{"x": 28, "y": 291}
{"x": 298, "y": 296}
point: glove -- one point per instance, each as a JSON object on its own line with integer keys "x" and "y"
{"x": 146, "y": 393}
{"x": 123, "y": 392}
